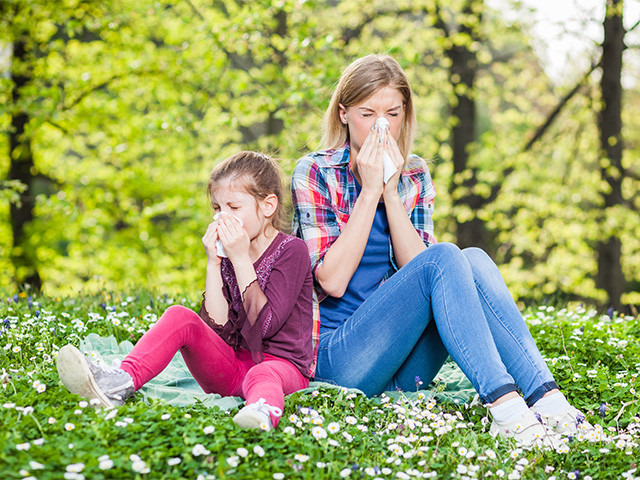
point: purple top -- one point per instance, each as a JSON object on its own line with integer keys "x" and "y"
{"x": 282, "y": 326}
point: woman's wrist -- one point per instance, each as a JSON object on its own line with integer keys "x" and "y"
{"x": 391, "y": 196}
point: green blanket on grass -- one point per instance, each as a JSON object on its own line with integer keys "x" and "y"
{"x": 176, "y": 386}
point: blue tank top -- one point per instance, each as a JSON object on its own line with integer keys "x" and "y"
{"x": 373, "y": 267}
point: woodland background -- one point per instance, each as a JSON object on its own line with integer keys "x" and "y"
{"x": 113, "y": 112}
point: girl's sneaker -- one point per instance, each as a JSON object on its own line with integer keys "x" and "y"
{"x": 109, "y": 386}
{"x": 526, "y": 431}
{"x": 257, "y": 415}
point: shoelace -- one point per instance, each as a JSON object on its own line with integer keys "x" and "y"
{"x": 262, "y": 405}
{"x": 105, "y": 369}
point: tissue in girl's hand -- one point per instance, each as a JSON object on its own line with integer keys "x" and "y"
{"x": 387, "y": 163}
{"x": 219, "y": 248}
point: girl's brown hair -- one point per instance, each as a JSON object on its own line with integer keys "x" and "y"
{"x": 359, "y": 81}
{"x": 260, "y": 174}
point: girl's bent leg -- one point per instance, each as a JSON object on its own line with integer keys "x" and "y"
{"x": 370, "y": 348}
{"x": 212, "y": 362}
{"x": 272, "y": 380}
{"x": 513, "y": 340}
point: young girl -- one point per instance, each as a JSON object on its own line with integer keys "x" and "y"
{"x": 394, "y": 303}
{"x": 252, "y": 337}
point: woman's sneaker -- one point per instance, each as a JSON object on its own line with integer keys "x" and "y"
{"x": 109, "y": 386}
{"x": 570, "y": 423}
{"x": 526, "y": 431}
{"x": 257, "y": 415}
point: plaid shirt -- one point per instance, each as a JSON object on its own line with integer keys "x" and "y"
{"x": 324, "y": 192}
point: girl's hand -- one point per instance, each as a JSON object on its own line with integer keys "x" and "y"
{"x": 392, "y": 149}
{"x": 369, "y": 163}
{"x": 209, "y": 243}
{"x": 233, "y": 236}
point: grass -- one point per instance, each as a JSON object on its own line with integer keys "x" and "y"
{"x": 50, "y": 434}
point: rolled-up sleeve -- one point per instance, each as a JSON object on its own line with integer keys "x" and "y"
{"x": 314, "y": 219}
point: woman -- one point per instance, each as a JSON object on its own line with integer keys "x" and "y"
{"x": 394, "y": 303}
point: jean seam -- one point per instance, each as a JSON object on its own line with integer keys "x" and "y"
{"x": 511, "y": 334}
{"x": 448, "y": 323}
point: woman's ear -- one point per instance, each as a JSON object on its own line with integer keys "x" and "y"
{"x": 342, "y": 111}
{"x": 269, "y": 205}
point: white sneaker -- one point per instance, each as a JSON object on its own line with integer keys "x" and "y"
{"x": 570, "y": 423}
{"x": 526, "y": 431}
{"x": 257, "y": 415}
{"x": 109, "y": 386}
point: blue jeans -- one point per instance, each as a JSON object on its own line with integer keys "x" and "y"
{"x": 445, "y": 301}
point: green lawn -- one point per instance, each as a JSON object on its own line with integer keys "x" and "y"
{"x": 48, "y": 433}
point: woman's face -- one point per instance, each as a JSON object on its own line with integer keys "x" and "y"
{"x": 386, "y": 102}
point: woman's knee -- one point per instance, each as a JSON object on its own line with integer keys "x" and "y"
{"x": 442, "y": 254}
{"x": 478, "y": 258}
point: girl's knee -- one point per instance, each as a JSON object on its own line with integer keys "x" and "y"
{"x": 178, "y": 314}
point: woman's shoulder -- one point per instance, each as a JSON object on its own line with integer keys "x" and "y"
{"x": 415, "y": 165}
{"x": 324, "y": 158}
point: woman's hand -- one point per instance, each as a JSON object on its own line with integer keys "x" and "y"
{"x": 369, "y": 165}
{"x": 233, "y": 236}
{"x": 209, "y": 242}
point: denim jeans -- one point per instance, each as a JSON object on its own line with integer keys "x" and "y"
{"x": 445, "y": 301}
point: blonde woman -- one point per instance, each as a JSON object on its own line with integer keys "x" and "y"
{"x": 393, "y": 302}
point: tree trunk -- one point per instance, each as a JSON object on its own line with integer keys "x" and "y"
{"x": 462, "y": 75}
{"x": 610, "y": 276}
{"x": 22, "y": 169}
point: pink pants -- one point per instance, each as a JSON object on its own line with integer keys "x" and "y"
{"x": 216, "y": 366}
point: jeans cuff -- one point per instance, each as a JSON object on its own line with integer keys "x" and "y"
{"x": 539, "y": 392}
{"x": 499, "y": 392}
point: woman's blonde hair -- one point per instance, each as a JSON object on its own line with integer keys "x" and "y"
{"x": 359, "y": 81}
{"x": 260, "y": 174}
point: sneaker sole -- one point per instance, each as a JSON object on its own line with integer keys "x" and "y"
{"x": 249, "y": 420}
{"x": 75, "y": 374}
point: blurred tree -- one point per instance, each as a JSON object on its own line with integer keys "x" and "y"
{"x": 129, "y": 106}
{"x": 609, "y": 249}
{"x": 463, "y": 34}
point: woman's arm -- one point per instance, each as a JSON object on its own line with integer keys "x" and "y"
{"x": 406, "y": 241}
{"x": 343, "y": 257}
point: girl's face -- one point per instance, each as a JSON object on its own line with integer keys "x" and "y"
{"x": 232, "y": 197}
{"x": 386, "y": 102}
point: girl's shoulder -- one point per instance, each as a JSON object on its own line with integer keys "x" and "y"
{"x": 294, "y": 245}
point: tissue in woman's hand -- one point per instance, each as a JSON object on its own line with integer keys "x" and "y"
{"x": 387, "y": 163}
{"x": 219, "y": 248}
{"x": 382, "y": 123}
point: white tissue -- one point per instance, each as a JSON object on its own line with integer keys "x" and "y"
{"x": 382, "y": 123}
{"x": 219, "y": 248}
{"x": 387, "y": 163}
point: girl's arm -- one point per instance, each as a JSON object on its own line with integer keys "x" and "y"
{"x": 236, "y": 243}
{"x": 268, "y": 308}
{"x": 406, "y": 241}
{"x": 214, "y": 301}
